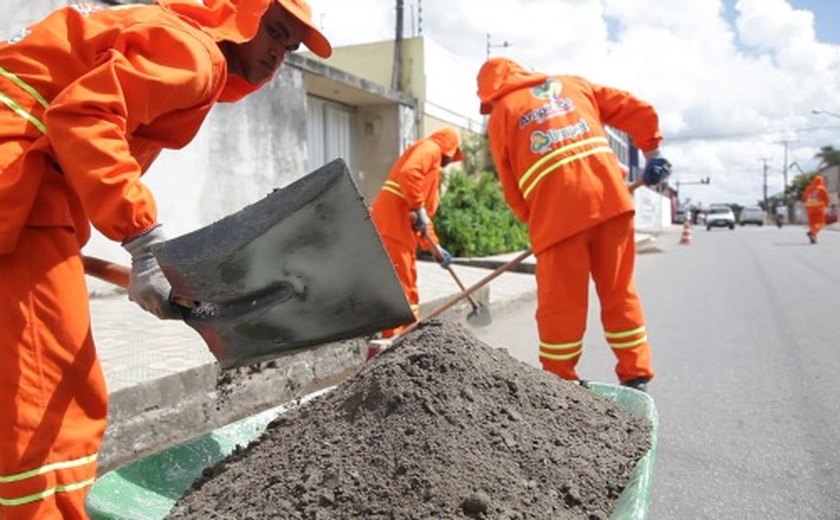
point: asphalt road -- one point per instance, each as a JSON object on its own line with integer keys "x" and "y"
{"x": 745, "y": 331}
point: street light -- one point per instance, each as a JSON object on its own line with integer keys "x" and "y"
{"x": 826, "y": 112}
{"x": 794, "y": 163}
{"x": 502, "y": 45}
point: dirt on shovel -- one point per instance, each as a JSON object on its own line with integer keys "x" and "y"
{"x": 439, "y": 426}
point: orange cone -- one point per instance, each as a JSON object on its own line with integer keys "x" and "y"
{"x": 686, "y": 234}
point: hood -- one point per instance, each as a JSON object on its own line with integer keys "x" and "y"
{"x": 500, "y": 76}
{"x": 449, "y": 142}
{"x": 235, "y": 21}
{"x": 817, "y": 180}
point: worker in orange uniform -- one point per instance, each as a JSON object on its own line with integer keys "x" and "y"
{"x": 89, "y": 96}
{"x": 815, "y": 197}
{"x": 405, "y": 206}
{"x": 561, "y": 177}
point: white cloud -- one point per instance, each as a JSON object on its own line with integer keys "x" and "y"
{"x": 757, "y": 79}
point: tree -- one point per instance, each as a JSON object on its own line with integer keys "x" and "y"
{"x": 828, "y": 156}
{"x": 798, "y": 184}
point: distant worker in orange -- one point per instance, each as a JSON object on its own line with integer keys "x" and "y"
{"x": 561, "y": 177}
{"x": 815, "y": 197}
{"x": 403, "y": 209}
{"x": 89, "y": 96}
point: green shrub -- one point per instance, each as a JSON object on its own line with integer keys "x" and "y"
{"x": 474, "y": 219}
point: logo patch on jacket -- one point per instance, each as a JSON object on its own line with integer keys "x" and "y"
{"x": 554, "y": 108}
{"x": 542, "y": 142}
{"x": 551, "y": 89}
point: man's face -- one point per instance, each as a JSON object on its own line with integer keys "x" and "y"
{"x": 259, "y": 59}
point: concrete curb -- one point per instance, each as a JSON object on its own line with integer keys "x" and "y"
{"x": 148, "y": 417}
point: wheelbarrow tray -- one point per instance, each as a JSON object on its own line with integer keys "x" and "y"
{"x": 148, "y": 488}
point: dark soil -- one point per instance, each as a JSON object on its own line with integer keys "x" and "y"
{"x": 439, "y": 426}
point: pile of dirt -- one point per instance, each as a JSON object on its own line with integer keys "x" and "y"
{"x": 439, "y": 426}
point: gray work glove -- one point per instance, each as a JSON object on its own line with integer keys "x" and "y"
{"x": 147, "y": 286}
{"x": 419, "y": 220}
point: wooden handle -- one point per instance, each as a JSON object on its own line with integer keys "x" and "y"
{"x": 455, "y": 299}
{"x": 438, "y": 254}
{"x": 108, "y": 271}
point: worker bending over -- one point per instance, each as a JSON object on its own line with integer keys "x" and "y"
{"x": 560, "y": 176}
{"x": 89, "y": 97}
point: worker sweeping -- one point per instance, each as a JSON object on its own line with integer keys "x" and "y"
{"x": 815, "y": 197}
{"x": 89, "y": 96}
{"x": 403, "y": 209}
{"x": 561, "y": 177}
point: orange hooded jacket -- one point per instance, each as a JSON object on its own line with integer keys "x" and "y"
{"x": 413, "y": 183}
{"x": 89, "y": 97}
{"x": 815, "y": 195}
{"x": 550, "y": 149}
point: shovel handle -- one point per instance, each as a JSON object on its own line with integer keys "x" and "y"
{"x": 466, "y": 292}
{"x": 438, "y": 254}
{"x": 108, "y": 271}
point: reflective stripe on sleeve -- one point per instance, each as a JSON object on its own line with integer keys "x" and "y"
{"x": 19, "y": 110}
{"x": 393, "y": 187}
{"x": 16, "y": 107}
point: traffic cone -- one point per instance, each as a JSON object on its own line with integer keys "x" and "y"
{"x": 686, "y": 233}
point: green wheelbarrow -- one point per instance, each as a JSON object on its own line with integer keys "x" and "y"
{"x": 148, "y": 488}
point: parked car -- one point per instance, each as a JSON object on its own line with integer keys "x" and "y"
{"x": 752, "y": 215}
{"x": 720, "y": 216}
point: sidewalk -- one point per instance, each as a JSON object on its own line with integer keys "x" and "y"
{"x": 165, "y": 386}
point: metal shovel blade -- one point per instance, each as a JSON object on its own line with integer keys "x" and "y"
{"x": 299, "y": 268}
{"x": 480, "y": 316}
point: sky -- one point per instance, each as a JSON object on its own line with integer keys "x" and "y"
{"x": 735, "y": 82}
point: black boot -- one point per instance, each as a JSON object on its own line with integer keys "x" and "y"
{"x": 639, "y": 383}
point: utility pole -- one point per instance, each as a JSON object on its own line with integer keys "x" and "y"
{"x": 764, "y": 160}
{"x": 785, "y": 142}
{"x": 396, "y": 71}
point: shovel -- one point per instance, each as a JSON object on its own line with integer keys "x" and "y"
{"x": 302, "y": 267}
{"x": 479, "y": 315}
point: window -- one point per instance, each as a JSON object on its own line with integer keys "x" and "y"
{"x": 330, "y": 132}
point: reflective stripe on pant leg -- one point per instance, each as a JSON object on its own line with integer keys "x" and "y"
{"x": 562, "y": 298}
{"x": 404, "y": 261}
{"x": 613, "y": 253}
{"x": 52, "y": 392}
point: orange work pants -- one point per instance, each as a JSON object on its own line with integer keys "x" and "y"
{"x": 53, "y": 402}
{"x": 607, "y": 253}
{"x": 816, "y": 218}
{"x": 404, "y": 259}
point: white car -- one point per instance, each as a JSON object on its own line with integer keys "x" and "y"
{"x": 752, "y": 215}
{"x": 720, "y": 216}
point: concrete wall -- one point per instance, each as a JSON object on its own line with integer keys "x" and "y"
{"x": 653, "y": 211}
{"x": 370, "y": 61}
{"x": 378, "y": 146}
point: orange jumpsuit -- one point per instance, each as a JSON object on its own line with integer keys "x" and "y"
{"x": 816, "y": 200}
{"x": 88, "y": 98}
{"x": 561, "y": 177}
{"x": 412, "y": 183}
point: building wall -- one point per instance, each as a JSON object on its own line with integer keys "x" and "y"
{"x": 378, "y": 146}
{"x": 370, "y": 61}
